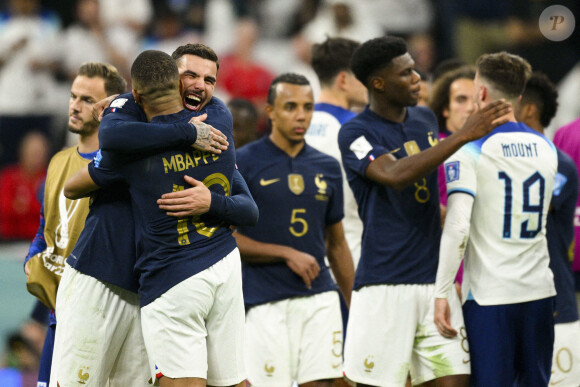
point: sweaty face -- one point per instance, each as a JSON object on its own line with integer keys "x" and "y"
{"x": 198, "y": 77}
{"x": 461, "y": 103}
{"x": 84, "y": 93}
{"x": 402, "y": 85}
{"x": 291, "y": 112}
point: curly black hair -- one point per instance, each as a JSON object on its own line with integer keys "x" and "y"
{"x": 376, "y": 54}
{"x": 541, "y": 92}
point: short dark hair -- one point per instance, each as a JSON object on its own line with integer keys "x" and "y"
{"x": 446, "y": 66}
{"x": 154, "y": 73}
{"x": 541, "y": 92}
{"x": 197, "y": 49}
{"x": 291, "y": 78}
{"x": 245, "y": 104}
{"x": 114, "y": 81}
{"x": 376, "y": 54}
{"x": 331, "y": 57}
{"x": 439, "y": 99}
{"x": 507, "y": 73}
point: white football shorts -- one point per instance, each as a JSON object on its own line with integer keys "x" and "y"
{"x": 98, "y": 335}
{"x": 298, "y": 339}
{"x": 196, "y": 328}
{"x": 566, "y": 357}
{"x": 391, "y": 332}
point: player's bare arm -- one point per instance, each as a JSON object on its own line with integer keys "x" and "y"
{"x": 80, "y": 185}
{"x": 340, "y": 259}
{"x": 442, "y": 318}
{"x": 399, "y": 173}
{"x": 303, "y": 264}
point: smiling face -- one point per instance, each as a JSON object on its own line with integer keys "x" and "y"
{"x": 84, "y": 93}
{"x": 401, "y": 84}
{"x": 198, "y": 77}
{"x": 461, "y": 103}
{"x": 291, "y": 113}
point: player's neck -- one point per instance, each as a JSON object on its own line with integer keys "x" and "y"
{"x": 534, "y": 124}
{"x": 388, "y": 111}
{"x": 290, "y": 147}
{"x": 333, "y": 97}
{"x": 89, "y": 143}
{"x": 163, "y": 106}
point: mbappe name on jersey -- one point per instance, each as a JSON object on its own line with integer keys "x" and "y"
{"x": 182, "y": 161}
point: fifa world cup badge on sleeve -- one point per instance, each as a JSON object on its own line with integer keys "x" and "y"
{"x": 451, "y": 171}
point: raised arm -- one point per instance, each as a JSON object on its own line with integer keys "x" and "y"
{"x": 399, "y": 173}
{"x": 124, "y": 129}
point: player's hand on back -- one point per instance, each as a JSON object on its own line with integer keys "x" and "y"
{"x": 99, "y": 107}
{"x": 208, "y": 138}
{"x": 192, "y": 201}
{"x": 485, "y": 120}
{"x": 442, "y": 317}
{"x": 305, "y": 265}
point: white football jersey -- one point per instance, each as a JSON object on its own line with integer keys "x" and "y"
{"x": 511, "y": 174}
{"x": 322, "y": 134}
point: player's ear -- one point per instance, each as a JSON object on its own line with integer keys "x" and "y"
{"x": 483, "y": 93}
{"x": 269, "y": 110}
{"x": 341, "y": 80}
{"x": 378, "y": 83}
{"x": 136, "y": 96}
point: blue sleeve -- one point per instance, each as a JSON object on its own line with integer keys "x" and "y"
{"x": 102, "y": 171}
{"x": 335, "y": 210}
{"x": 238, "y": 209}
{"x": 38, "y": 244}
{"x": 124, "y": 129}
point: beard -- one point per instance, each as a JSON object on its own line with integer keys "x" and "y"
{"x": 88, "y": 128}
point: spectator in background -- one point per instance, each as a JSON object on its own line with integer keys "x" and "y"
{"x": 245, "y": 117}
{"x": 90, "y": 39}
{"x": 133, "y": 15}
{"x": 19, "y": 184}
{"x": 26, "y": 90}
{"x": 341, "y": 18}
{"x": 241, "y": 76}
{"x": 168, "y": 31}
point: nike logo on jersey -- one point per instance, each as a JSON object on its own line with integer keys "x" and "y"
{"x": 264, "y": 182}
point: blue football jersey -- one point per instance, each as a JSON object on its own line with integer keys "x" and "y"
{"x": 170, "y": 250}
{"x": 560, "y": 235}
{"x": 298, "y": 197}
{"x": 402, "y": 228}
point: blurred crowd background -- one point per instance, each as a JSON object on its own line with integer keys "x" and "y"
{"x": 43, "y": 42}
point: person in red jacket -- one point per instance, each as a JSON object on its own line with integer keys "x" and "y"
{"x": 19, "y": 185}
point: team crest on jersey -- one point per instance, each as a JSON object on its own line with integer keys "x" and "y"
{"x": 322, "y": 186}
{"x": 296, "y": 183}
{"x": 432, "y": 140}
{"x": 451, "y": 171}
{"x": 412, "y": 148}
{"x": 119, "y": 102}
